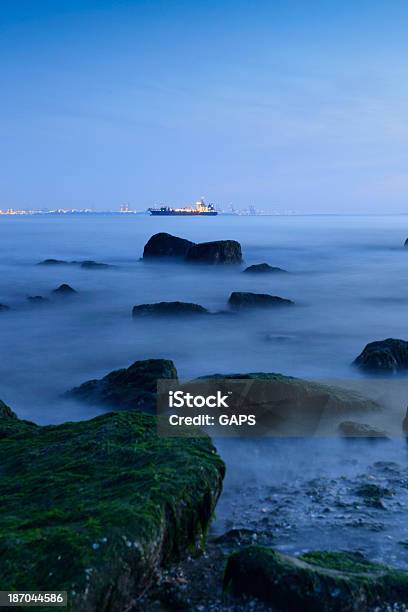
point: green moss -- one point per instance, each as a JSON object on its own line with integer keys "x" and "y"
{"x": 93, "y": 507}
{"x": 318, "y": 581}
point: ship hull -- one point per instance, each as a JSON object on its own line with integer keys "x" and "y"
{"x": 173, "y": 213}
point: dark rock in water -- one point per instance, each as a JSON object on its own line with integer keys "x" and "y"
{"x": 217, "y": 252}
{"x": 64, "y": 289}
{"x": 54, "y": 262}
{"x": 290, "y": 406}
{"x": 406, "y": 243}
{"x": 132, "y": 388}
{"x": 314, "y": 582}
{"x": 239, "y": 299}
{"x": 405, "y": 424}
{"x": 168, "y": 308}
{"x": 94, "y": 265}
{"x": 263, "y": 268}
{"x": 166, "y": 245}
{"x": 37, "y": 299}
{"x": 4, "y": 307}
{"x": 390, "y": 356}
{"x": 95, "y": 507}
{"x": 352, "y": 429}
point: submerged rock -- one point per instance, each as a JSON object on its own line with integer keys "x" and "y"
{"x": 95, "y": 507}
{"x": 132, "y": 388}
{"x": 315, "y": 582}
{"x": 4, "y": 307}
{"x": 405, "y": 424}
{"x": 352, "y": 429}
{"x": 166, "y": 245}
{"x": 263, "y": 268}
{"x": 241, "y": 299}
{"x": 216, "y": 252}
{"x": 284, "y": 405}
{"x": 94, "y": 265}
{"x": 37, "y": 299}
{"x": 389, "y": 356}
{"x": 64, "y": 289}
{"x": 54, "y": 262}
{"x": 168, "y": 308}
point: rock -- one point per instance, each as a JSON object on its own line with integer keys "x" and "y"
{"x": 263, "y": 268}
{"x": 284, "y": 405}
{"x": 168, "y": 309}
{"x": 217, "y": 252}
{"x": 316, "y": 581}
{"x": 406, "y": 243}
{"x": 373, "y": 494}
{"x": 94, "y": 265}
{"x": 64, "y": 289}
{"x": 95, "y": 507}
{"x": 132, "y": 388}
{"x": 405, "y": 424}
{"x": 37, "y": 299}
{"x": 6, "y": 411}
{"x": 388, "y": 356}
{"x": 352, "y": 429}
{"x": 240, "y": 299}
{"x": 166, "y": 245}
{"x": 54, "y": 262}
{"x": 4, "y": 307}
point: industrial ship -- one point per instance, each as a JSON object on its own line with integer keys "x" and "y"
{"x": 200, "y": 209}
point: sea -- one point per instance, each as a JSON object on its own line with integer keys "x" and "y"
{"x": 348, "y": 277}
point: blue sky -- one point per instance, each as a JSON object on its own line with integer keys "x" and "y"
{"x": 296, "y": 104}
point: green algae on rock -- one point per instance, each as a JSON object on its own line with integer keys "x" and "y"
{"x": 132, "y": 388}
{"x": 315, "y": 582}
{"x": 95, "y": 507}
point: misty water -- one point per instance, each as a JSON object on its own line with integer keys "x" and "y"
{"x": 348, "y": 277}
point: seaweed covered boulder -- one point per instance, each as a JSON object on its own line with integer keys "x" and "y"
{"x": 168, "y": 309}
{"x": 94, "y": 507}
{"x": 132, "y": 388}
{"x": 314, "y": 582}
{"x": 388, "y": 356}
{"x": 242, "y": 300}
{"x": 264, "y": 268}
{"x": 166, "y": 245}
{"x": 216, "y": 252}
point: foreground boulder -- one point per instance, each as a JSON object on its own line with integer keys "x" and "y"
{"x": 64, "y": 289}
{"x": 132, "y": 388}
{"x": 388, "y": 356}
{"x": 314, "y": 582}
{"x": 217, "y": 252}
{"x": 94, "y": 507}
{"x": 240, "y": 299}
{"x": 285, "y": 405}
{"x": 168, "y": 309}
{"x": 263, "y": 268}
{"x": 166, "y": 245}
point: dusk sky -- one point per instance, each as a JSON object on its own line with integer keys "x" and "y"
{"x": 296, "y": 104}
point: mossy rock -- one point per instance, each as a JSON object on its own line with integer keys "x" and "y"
{"x": 95, "y": 507}
{"x": 315, "y": 582}
{"x": 132, "y": 388}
